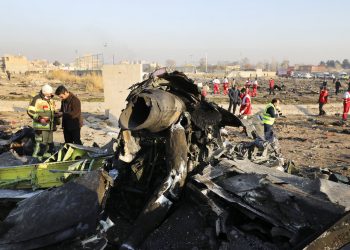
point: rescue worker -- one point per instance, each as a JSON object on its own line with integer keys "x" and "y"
{"x": 346, "y": 104}
{"x": 271, "y": 112}
{"x": 205, "y": 89}
{"x": 234, "y": 97}
{"x": 322, "y": 100}
{"x": 271, "y": 86}
{"x": 247, "y": 85}
{"x": 225, "y": 85}
{"x": 337, "y": 86}
{"x": 42, "y": 110}
{"x": 246, "y": 105}
{"x": 216, "y": 83}
{"x": 255, "y": 87}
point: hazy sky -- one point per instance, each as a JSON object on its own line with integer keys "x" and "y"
{"x": 300, "y": 30}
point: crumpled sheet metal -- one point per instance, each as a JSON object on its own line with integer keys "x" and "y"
{"x": 58, "y": 214}
{"x": 296, "y": 207}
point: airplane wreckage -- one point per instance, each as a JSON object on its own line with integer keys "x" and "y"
{"x": 171, "y": 180}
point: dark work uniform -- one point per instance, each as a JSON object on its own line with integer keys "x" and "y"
{"x": 71, "y": 119}
{"x": 233, "y": 95}
{"x": 337, "y": 87}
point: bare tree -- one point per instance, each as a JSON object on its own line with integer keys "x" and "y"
{"x": 202, "y": 64}
{"x": 56, "y": 63}
{"x": 245, "y": 63}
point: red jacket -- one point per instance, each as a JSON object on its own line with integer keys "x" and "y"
{"x": 271, "y": 83}
{"x": 246, "y": 105}
{"x": 323, "y": 96}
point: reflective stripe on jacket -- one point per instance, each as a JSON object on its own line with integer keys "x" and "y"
{"x": 267, "y": 119}
{"x": 42, "y": 108}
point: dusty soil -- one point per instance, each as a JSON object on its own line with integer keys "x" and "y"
{"x": 25, "y": 87}
{"x": 311, "y": 141}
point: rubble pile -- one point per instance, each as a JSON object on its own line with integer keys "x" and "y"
{"x": 176, "y": 182}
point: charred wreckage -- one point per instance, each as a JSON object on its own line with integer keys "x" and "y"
{"x": 171, "y": 180}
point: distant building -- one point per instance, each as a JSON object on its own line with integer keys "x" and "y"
{"x": 188, "y": 68}
{"x": 149, "y": 67}
{"x": 311, "y": 68}
{"x": 89, "y": 62}
{"x": 232, "y": 67}
{"x": 320, "y": 68}
{"x": 251, "y": 73}
{"x": 305, "y": 68}
{"x": 2, "y": 64}
{"x": 14, "y": 64}
{"x": 41, "y": 66}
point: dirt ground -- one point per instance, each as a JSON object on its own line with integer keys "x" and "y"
{"x": 312, "y": 142}
{"x": 23, "y": 87}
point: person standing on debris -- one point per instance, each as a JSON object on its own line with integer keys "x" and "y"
{"x": 337, "y": 86}
{"x": 346, "y": 105}
{"x": 271, "y": 86}
{"x": 322, "y": 100}
{"x": 270, "y": 113}
{"x": 255, "y": 87}
{"x": 216, "y": 87}
{"x": 246, "y": 105}
{"x": 234, "y": 98}
{"x": 225, "y": 85}
{"x": 71, "y": 115}
{"x": 42, "y": 110}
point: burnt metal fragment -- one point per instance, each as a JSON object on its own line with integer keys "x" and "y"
{"x": 56, "y": 215}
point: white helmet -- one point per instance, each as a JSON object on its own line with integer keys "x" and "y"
{"x": 47, "y": 89}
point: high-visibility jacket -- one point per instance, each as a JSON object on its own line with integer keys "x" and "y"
{"x": 41, "y": 108}
{"x": 267, "y": 119}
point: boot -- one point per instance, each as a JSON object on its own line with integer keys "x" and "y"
{"x": 49, "y": 150}
{"x": 39, "y": 150}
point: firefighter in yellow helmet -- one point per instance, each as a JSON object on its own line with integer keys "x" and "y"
{"x": 42, "y": 110}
